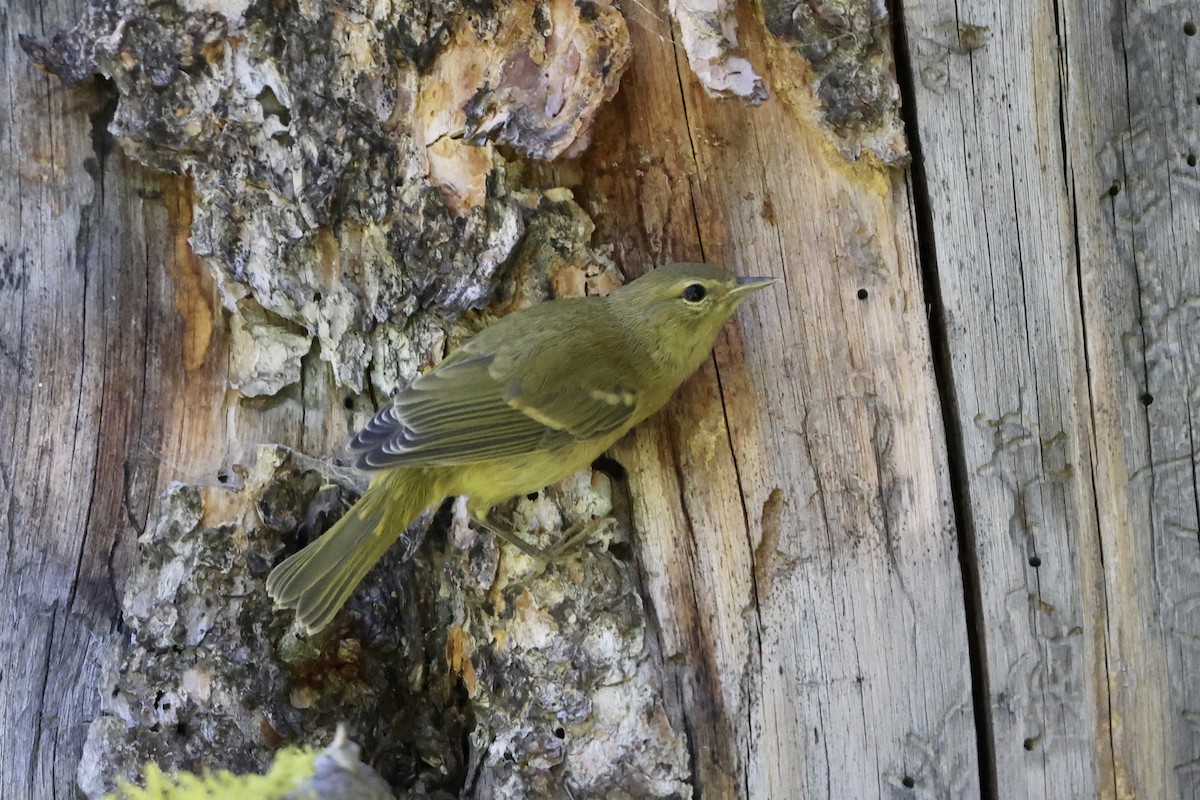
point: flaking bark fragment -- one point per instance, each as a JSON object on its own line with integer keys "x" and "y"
{"x": 341, "y": 157}
{"x": 708, "y": 29}
{"x": 563, "y": 683}
{"x": 264, "y": 355}
{"x": 338, "y": 774}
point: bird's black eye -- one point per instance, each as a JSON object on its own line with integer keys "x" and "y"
{"x": 694, "y": 293}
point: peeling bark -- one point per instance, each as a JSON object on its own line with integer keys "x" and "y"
{"x": 709, "y": 35}
{"x": 205, "y": 673}
{"x": 546, "y": 680}
{"x": 328, "y": 150}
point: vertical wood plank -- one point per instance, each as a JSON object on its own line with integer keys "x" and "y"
{"x": 1132, "y": 121}
{"x": 1055, "y": 142}
{"x": 987, "y": 119}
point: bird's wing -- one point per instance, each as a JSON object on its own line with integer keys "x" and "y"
{"x": 478, "y": 406}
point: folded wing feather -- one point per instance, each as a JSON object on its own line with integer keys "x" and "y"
{"x": 468, "y": 410}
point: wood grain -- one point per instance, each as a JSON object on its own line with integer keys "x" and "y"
{"x": 793, "y": 503}
{"x": 1055, "y": 143}
{"x": 112, "y": 357}
{"x": 74, "y": 312}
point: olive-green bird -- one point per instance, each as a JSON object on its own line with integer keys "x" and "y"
{"x": 526, "y": 402}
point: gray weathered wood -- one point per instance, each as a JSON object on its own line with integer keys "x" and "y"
{"x": 1131, "y": 120}
{"x": 81, "y": 278}
{"x": 1064, "y": 216}
{"x": 799, "y": 546}
{"x": 112, "y": 358}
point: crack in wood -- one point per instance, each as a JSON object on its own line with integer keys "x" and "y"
{"x": 939, "y": 334}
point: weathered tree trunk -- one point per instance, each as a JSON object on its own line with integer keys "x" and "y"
{"x": 782, "y": 609}
{"x": 95, "y": 403}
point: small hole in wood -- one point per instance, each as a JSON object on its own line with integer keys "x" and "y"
{"x": 1190, "y": 159}
{"x": 531, "y": 496}
{"x": 1035, "y": 562}
{"x": 560, "y": 733}
{"x": 181, "y": 728}
{"x": 1145, "y": 398}
{"x": 348, "y": 403}
{"x": 908, "y": 782}
{"x": 316, "y": 297}
{"x": 862, "y": 294}
{"x": 1027, "y": 744}
{"x": 1189, "y": 28}
{"x": 223, "y": 476}
{"x": 1115, "y": 189}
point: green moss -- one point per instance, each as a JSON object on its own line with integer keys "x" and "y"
{"x": 292, "y": 765}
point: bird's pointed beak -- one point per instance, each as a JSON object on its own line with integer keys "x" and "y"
{"x": 747, "y": 286}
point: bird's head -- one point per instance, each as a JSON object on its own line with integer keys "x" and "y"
{"x": 683, "y": 306}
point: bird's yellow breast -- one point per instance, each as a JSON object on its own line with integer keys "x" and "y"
{"x": 488, "y": 483}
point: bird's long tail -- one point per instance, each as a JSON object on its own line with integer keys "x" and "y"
{"x": 319, "y": 579}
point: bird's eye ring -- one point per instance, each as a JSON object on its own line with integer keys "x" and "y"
{"x": 694, "y": 293}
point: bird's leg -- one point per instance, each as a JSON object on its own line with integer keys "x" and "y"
{"x": 513, "y": 539}
{"x": 571, "y": 540}
{"x": 576, "y": 536}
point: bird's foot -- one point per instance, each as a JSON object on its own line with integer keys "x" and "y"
{"x": 572, "y": 539}
{"x": 575, "y": 537}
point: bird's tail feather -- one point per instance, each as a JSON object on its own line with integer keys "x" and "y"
{"x": 319, "y": 579}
